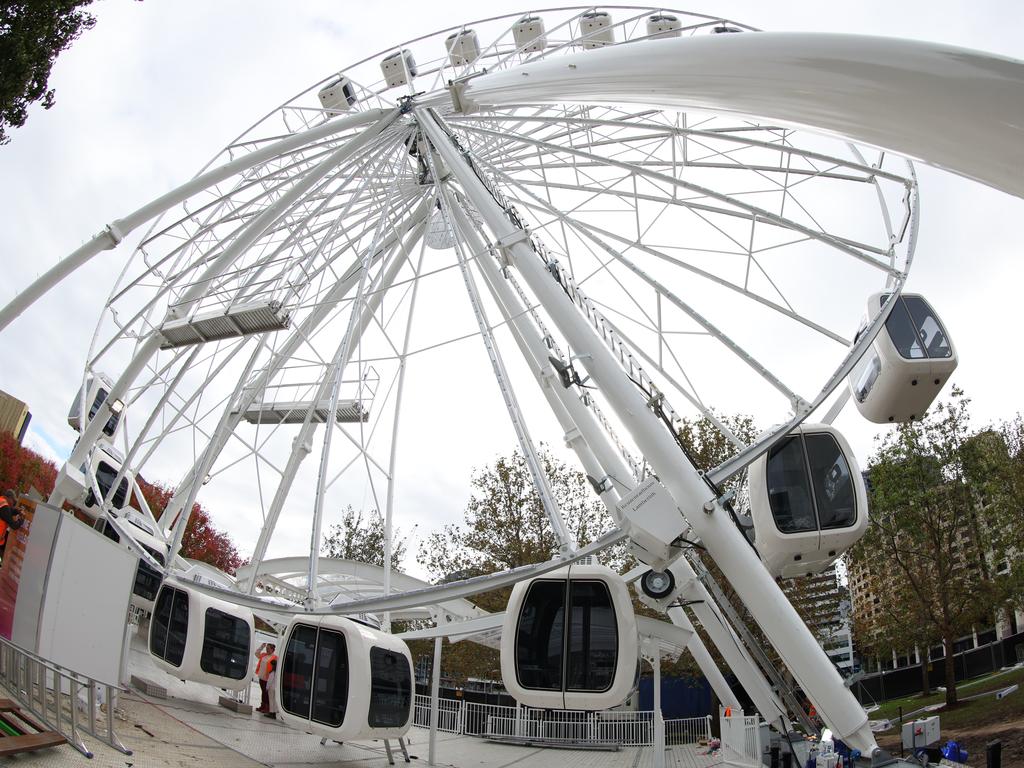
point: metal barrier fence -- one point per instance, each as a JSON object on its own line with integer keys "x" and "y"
{"x": 741, "y": 741}
{"x": 630, "y": 729}
{"x": 60, "y": 699}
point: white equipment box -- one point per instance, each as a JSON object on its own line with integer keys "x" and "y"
{"x": 921, "y": 733}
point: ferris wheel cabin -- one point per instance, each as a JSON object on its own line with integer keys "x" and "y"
{"x": 96, "y": 388}
{"x": 596, "y": 29}
{"x": 463, "y": 47}
{"x": 910, "y": 360}
{"x": 343, "y": 680}
{"x": 193, "y": 636}
{"x": 529, "y": 34}
{"x": 399, "y": 68}
{"x": 662, "y": 25}
{"x": 581, "y": 658}
{"x": 808, "y": 501}
{"x": 338, "y": 95}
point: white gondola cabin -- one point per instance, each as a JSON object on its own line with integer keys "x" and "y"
{"x": 193, "y": 636}
{"x": 79, "y": 485}
{"x": 96, "y": 388}
{"x": 662, "y": 25}
{"x": 581, "y": 658}
{"x": 343, "y": 680}
{"x": 463, "y": 47}
{"x": 338, "y": 96}
{"x": 808, "y": 501}
{"x": 910, "y": 360}
{"x": 596, "y": 29}
{"x": 398, "y": 68}
{"x": 529, "y": 34}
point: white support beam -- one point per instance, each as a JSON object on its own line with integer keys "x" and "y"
{"x": 764, "y": 599}
{"x": 881, "y": 91}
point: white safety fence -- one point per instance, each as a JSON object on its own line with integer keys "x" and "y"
{"x": 741, "y": 741}
{"x": 64, "y": 701}
{"x": 630, "y": 729}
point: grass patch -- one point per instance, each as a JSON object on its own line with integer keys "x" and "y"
{"x": 994, "y": 682}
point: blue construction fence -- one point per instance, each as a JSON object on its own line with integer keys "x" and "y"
{"x": 680, "y": 696}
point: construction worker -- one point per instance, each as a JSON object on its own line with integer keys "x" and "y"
{"x": 265, "y": 655}
{"x": 10, "y": 518}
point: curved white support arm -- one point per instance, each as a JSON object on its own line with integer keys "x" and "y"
{"x": 115, "y": 232}
{"x": 955, "y": 108}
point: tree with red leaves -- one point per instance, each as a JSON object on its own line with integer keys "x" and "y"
{"x": 201, "y": 541}
{"x": 22, "y": 468}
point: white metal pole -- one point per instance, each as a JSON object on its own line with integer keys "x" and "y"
{"x": 601, "y": 460}
{"x": 724, "y": 542}
{"x": 435, "y": 695}
{"x": 659, "y": 721}
{"x": 703, "y": 658}
{"x": 116, "y": 231}
{"x": 566, "y": 542}
{"x": 393, "y": 459}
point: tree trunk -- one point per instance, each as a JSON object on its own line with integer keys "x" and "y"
{"x": 926, "y": 686}
{"x": 948, "y": 645}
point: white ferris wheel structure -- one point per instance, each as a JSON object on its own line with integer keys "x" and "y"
{"x": 595, "y": 222}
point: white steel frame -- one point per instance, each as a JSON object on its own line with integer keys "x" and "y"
{"x": 558, "y": 204}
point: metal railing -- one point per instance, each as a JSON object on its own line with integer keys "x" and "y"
{"x": 690, "y": 730}
{"x": 64, "y": 701}
{"x": 741, "y": 741}
{"x": 627, "y": 728}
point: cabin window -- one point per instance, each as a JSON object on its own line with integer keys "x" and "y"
{"x": 868, "y": 377}
{"x": 593, "y": 637}
{"x": 147, "y": 581}
{"x": 225, "y": 645}
{"x": 916, "y": 331}
{"x": 544, "y": 660}
{"x": 933, "y": 335}
{"x": 169, "y": 631}
{"x": 111, "y": 426}
{"x": 833, "y": 485}
{"x": 105, "y": 475}
{"x": 789, "y": 494}
{"x": 296, "y": 676}
{"x": 330, "y": 683}
{"x": 390, "y": 689}
{"x": 902, "y": 332}
{"x": 540, "y": 636}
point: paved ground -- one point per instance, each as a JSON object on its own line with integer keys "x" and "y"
{"x": 190, "y": 730}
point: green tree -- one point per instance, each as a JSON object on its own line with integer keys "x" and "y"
{"x": 363, "y": 540}
{"x": 32, "y": 34}
{"x": 929, "y": 531}
{"x": 995, "y": 466}
{"x": 506, "y": 527}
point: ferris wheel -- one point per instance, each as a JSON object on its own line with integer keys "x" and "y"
{"x": 395, "y": 259}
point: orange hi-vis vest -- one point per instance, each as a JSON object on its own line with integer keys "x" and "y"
{"x": 3, "y": 523}
{"x": 263, "y": 665}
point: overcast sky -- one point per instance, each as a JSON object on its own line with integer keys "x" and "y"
{"x": 157, "y": 88}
